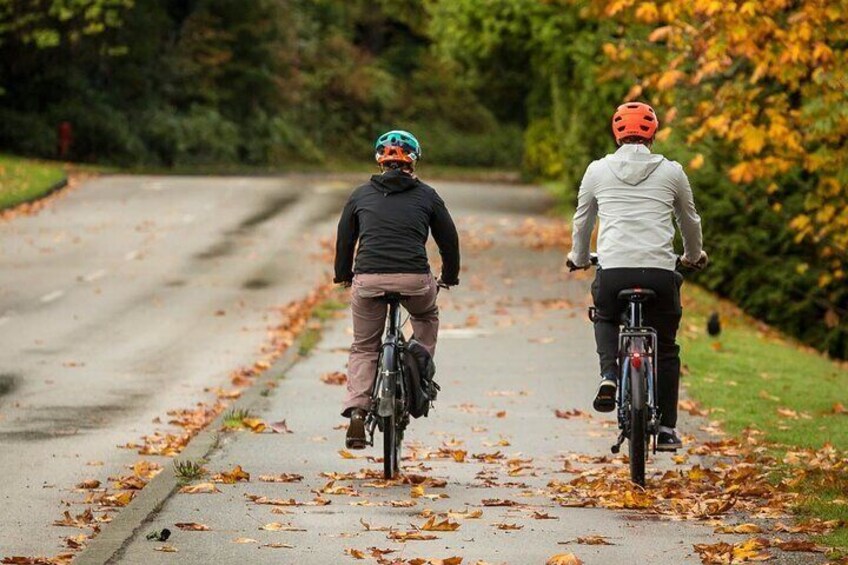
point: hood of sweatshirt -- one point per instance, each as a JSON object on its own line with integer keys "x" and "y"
{"x": 394, "y": 181}
{"x": 633, "y": 163}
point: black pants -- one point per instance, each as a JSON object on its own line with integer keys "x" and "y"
{"x": 662, "y": 313}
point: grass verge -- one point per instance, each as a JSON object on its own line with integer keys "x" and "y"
{"x": 752, "y": 377}
{"x": 24, "y": 180}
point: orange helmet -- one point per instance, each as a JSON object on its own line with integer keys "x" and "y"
{"x": 634, "y": 119}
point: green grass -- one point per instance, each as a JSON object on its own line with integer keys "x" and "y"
{"x": 188, "y": 470}
{"x": 327, "y": 309}
{"x": 235, "y": 418}
{"x": 309, "y": 340}
{"x": 749, "y": 372}
{"x": 23, "y": 180}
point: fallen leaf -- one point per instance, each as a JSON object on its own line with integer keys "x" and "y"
{"x": 499, "y": 502}
{"x": 278, "y": 527}
{"x": 410, "y": 536}
{"x": 88, "y": 484}
{"x": 444, "y": 526}
{"x": 504, "y": 526}
{"x": 255, "y": 425}
{"x": 465, "y": 514}
{"x": 166, "y": 548}
{"x": 245, "y": 540}
{"x": 280, "y": 427}
{"x": 278, "y": 545}
{"x": 347, "y": 454}
{"x": 231, "y": 477}
{"x": 593, "y": 540}
{"x": 199, "y": 488}
{"x": 192, "y": 527}
{"x": 334, "y": 378}
{"x": 563, "y": 559}
{"x": 281, "y": 478}
{"x": 739, "y": 529}
{"x": 355, "y": 553}
{"x": 799, "y": 545}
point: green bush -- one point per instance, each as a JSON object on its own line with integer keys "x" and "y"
{"x": 443, "y": 145}
{"x": 29, "y": 134}
{"x": 756, "y": 261}
{"x": 200, "y": 137}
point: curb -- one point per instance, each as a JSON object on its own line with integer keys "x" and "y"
{"x": 107, "y": 546}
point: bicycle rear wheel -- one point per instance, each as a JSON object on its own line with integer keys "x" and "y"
{"x": 390, "y": 445}
{"x": 638, "y": 439}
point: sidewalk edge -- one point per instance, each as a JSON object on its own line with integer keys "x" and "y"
{"x": 110, "y": 542}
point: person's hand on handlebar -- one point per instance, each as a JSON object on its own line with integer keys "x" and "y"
{"x": 698, "y": 265}
{"x": 572, "y": 266}
{"x": 440, "y": 284}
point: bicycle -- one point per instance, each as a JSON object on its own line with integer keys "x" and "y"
{"x": 389, "y": 410}
{"x": 638, "y": 414}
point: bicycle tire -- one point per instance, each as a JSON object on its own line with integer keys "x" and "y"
{"x": 390, "y": 454}
{"x": 638, "y": 426}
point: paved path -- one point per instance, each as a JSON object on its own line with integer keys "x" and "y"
{"x": 130, "y": 296}
{"x": 515, "y": 346}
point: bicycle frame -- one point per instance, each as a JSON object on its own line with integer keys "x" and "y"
{"x": 389, "y": 385}
{"x": 637, "y": 346}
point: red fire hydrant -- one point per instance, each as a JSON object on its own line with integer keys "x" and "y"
{"x": 66, "y": 138}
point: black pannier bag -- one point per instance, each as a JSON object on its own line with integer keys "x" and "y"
{"x": 419, "y": 370}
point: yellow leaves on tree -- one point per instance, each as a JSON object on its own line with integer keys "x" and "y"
{"x": 767, "y": 78}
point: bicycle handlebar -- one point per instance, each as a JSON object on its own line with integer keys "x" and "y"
{"x": 680, "y": 263}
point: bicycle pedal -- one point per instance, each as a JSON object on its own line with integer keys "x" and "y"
{"x": 615, "y": 449}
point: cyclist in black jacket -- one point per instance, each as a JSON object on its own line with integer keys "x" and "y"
{"x": 390, "y": 218}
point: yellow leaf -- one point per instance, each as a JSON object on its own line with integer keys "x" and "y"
{"x": 199, "y": 488}
{"x": 255, "y": 424}
{"x": 564, "y": 559}
{"x": 697, "y": 162}
{"x": 647, "y": 12}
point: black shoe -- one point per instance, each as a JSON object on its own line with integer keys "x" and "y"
{"x": 355, "y": 438}
{"x": 668, "y": 441}
{"x": 605, "y": 399}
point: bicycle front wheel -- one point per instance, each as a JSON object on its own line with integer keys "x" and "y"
{"x": 638, "y": 439}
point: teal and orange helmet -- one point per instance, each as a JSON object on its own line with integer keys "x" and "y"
{"x": 399, "y": 146}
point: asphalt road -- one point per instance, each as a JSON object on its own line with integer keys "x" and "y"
{"x": 124, "y": 299}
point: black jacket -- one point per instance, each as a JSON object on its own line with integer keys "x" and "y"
{"x": 391, "y": 218}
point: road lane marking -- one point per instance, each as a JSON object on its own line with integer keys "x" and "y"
{"x": 51, "y": 296}
{"x": 98, "y": 274}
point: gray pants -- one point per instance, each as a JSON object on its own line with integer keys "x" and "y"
{"x": 369, "y": 322}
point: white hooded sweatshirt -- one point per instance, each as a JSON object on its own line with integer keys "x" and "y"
{"x": 635, "y": 193}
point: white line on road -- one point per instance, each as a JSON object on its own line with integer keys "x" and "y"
{"x": 98, "y": 274}
{"x": 51, "y": 296}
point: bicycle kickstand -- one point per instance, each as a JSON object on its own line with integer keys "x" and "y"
{"x": 617, "y": 447}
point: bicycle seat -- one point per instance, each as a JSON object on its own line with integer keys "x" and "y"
{"x": 637, "y": 294}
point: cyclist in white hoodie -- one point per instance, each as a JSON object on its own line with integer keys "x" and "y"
{"x": 636, "y": 193}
